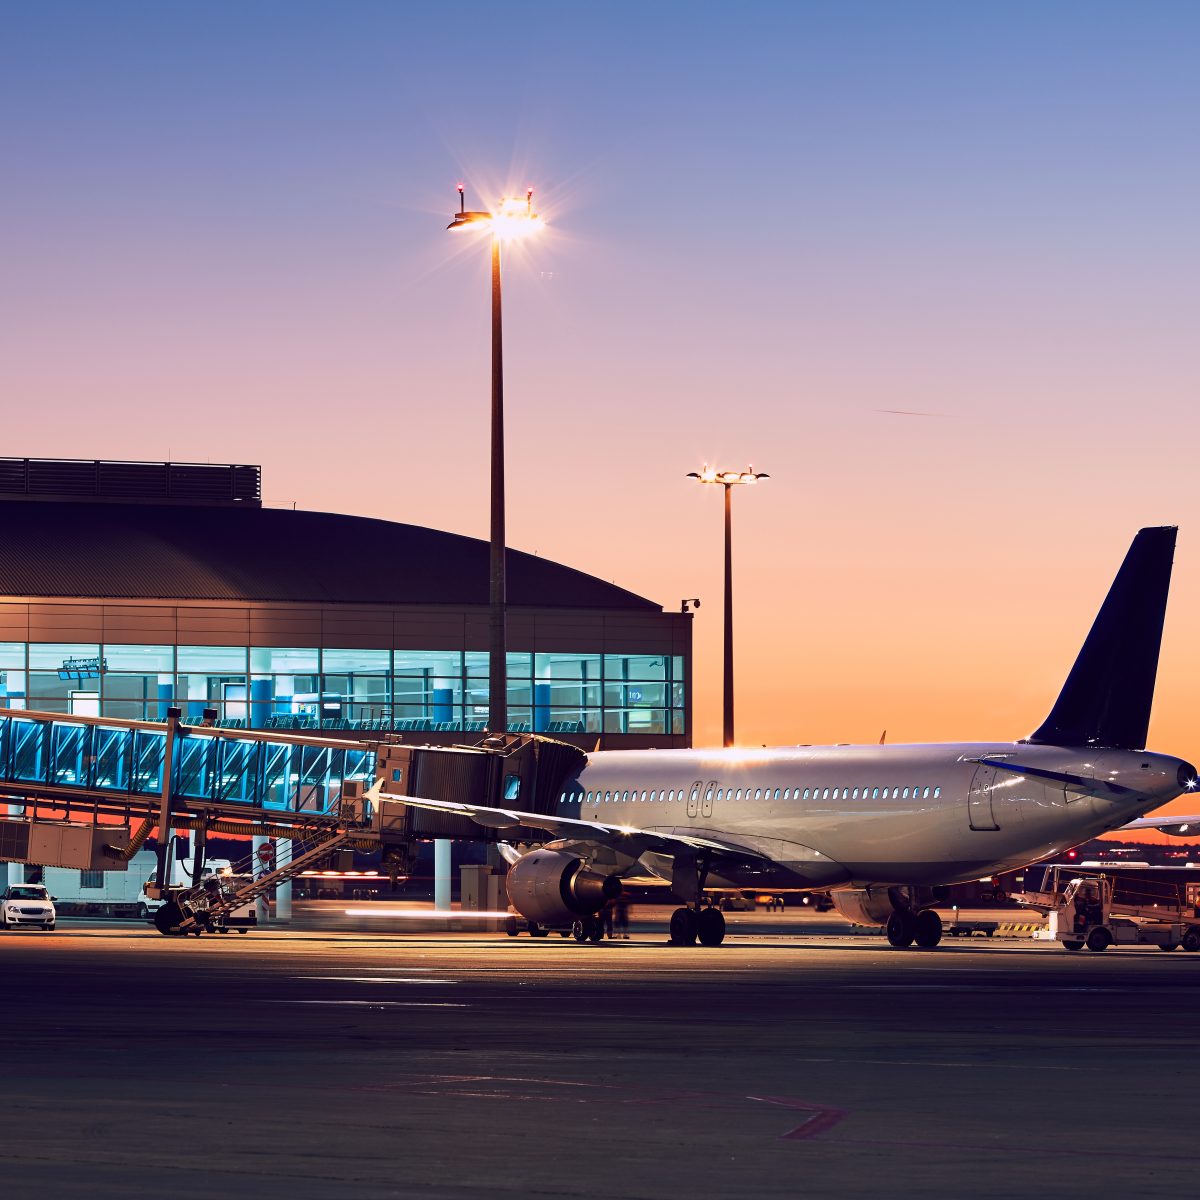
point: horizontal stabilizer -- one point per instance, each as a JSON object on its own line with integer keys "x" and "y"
{"x": 1106, "y": 699}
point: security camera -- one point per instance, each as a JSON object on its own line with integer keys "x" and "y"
{"x": 685, "y": 605}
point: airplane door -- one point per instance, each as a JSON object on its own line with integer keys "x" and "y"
{"x": 706, "y": 807}
{"x": 979, "y": 799}
{"x": 694, "y": 797}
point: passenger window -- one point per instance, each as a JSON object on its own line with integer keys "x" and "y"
{"x": 905, "y": 797}
{"x": 825, "y": 795}
{"x": 758, "y": 793}
{"x": 643, "y": 797}
{"x": 926, "y": 796}
{"x": 937, "y": 791}
{"x": 855, "y": 796}
{"x": 776, "y": 793}
{"x": 710, "y": 794}
{"x": 806, "y": 793}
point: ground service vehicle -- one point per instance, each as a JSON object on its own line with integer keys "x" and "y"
{"x": 100, "y": 893}
{"x": 1098, "y": 909}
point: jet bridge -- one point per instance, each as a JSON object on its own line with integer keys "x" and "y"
{"x": 101, "y": 776}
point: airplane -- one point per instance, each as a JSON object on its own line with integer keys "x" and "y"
{"x": 884, "y": 828}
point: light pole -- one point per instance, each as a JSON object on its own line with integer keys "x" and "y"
{"x": 728, "y": 480}
{"x": 512, "y": 219}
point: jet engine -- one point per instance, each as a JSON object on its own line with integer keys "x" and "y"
{"x": 552, "y": 888}
{"x": 863, "y": 906}
{"x": 873, "y": 906}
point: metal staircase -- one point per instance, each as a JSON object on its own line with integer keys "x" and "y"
{"x": 205, "y": 904}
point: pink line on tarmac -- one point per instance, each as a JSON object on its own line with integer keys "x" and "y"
{"x": 823, "y": 1117}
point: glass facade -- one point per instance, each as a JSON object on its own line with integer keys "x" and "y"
{"x": 308, "y": 688}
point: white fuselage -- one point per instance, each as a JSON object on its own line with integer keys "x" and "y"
{"x": 833, "y": 816}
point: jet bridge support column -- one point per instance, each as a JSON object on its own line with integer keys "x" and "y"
{"x": 162, "y": 875}
{"x": 262, "y": 909}
{"x": 16, "y": 870}
{"x": 441, "y": 874}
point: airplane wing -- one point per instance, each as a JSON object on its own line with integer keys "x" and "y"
{"x": 618, "y": 836}
{"x": 1176, "y": 826}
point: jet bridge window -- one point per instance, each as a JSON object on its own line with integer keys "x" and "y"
{"x": 512, "y": 787}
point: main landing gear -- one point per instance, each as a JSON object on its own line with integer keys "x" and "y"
{"x": 588, "y": 929}
{"x": 705, "y": 924}
{"x": 907, "y": 925}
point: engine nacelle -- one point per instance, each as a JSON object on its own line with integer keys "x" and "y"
{"x": 553, "y": 888}
{"x": 873, "y": 906}
{"x": 863, "y": 907}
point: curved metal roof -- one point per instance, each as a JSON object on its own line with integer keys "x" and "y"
{"x": 137, "y": 551}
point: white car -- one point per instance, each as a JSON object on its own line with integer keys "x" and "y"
{"x": 27, "y": 905}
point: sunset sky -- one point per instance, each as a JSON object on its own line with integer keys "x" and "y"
{"x": 934, "y": 267}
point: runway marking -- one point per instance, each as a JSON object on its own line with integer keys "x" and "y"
{"x": 909, "y": 1062}
{"x": 379, "y": 1003}
{"x": 966, "y": 986}
{"x": 822, "y": 1118}
{"x": 370, "y": 979}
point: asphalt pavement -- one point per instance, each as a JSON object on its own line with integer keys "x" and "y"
{"x": 322, "y": 1063}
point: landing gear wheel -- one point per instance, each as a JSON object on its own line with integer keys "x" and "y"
{"x": 683, "y": 927}
{"x": 927, "y": 929}
{"x": 579, "y": 930}
{"x": 536, "y": 930}
{"x": 167, "y": 919}
{"x": 1099, "y": 939}
{"x": 510, "y": 926}
{"x": 899, "y": 930}
{"x": 1072, "y": 946}
{"x": 710, "y": 927}
{"x": 597, "y": 931}
{"x": 1191, "y": 940}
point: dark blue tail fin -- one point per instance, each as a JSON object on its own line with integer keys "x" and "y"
{"x": 1106, "y": 699}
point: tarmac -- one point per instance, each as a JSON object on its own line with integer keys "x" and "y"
{"x": 795, "y": 1060}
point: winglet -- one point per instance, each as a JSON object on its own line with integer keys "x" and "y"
{"x": 1106, "y": 699}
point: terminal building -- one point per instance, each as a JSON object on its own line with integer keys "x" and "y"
{"x": 128, "y": 588}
